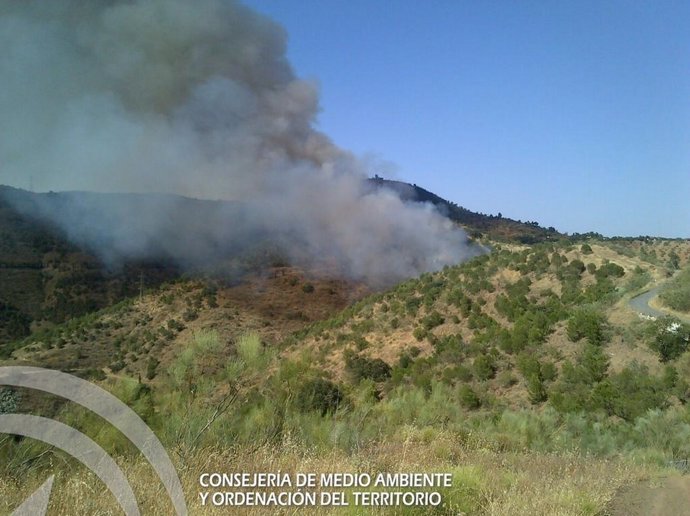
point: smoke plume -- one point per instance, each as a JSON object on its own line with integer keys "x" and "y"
{"x": 195, "y": 99}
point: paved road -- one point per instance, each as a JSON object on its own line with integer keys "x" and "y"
{"x": 641, "y": 305}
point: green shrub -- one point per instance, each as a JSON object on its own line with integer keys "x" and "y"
{"x": 405, "y": 360}
{"x": 249, "y": 348}
{"x": 671, "y": 340}
{"x": 320, "y": 395}
{"x": 363, "y": 368}
{"x": 610, "y": 269}
{"x": 190, "y": 315}
{"x": 577, "y": 266}
{"x": 571, "y": 392}
{"x": 536, "y": 389}
{"x": 587, "y": 323}
{"x": 536, "y": 374}
{"x": 9, "y": 400}
{"x": 676, "y": 294}
{"x": 360, "y": 342}
{"x": 419, "y": 333}
{"x": 175, "y": 325}
{"x": 468, "y": 398}
{"x": 670, "y": 377}
{"x": 117, "y": 366}
{"x": 630, "y": 393}
{"x": 594, "y": 363}
{"x": 95, "y": 374}
{"x": 484, "y": 367}
{"x": 461, "y": 373}
{"x": 432, "y": 320}
{"x": 506, "y": 379}
{"x": 151, "y": 368}
{"x": 604, "y": 290}
{"x": 412, "y": 305}
{"x": 548, "y": 371}
{"x": 15, "y": 324}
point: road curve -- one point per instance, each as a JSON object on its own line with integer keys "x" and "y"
{"x": 640, "y": 304}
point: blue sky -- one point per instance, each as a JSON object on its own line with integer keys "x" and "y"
{"x": 573, "y": 114}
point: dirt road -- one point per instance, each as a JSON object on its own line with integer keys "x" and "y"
{"x": 668, "y": 496}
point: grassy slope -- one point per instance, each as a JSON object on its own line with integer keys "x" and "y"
{"x": 462, "y": 301}
{"x": 676, "y": 295}
{"x": 485, "y": 482}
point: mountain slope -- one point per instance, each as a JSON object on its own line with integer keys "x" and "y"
{"x": 114, "y": 245}
{"x": 523, "y": 373}
{"x": 486, "y": 325}
{"x": 495, "y": 227}
{"x": 46, "y": 278}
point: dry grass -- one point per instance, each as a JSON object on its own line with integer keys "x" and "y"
{"x": 622, "y": 354}
{"x": 656, "y": 303}
{"x": 484, "y": 482}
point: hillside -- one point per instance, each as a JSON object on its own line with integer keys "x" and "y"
{"x": 49, "y": 276}
{"x": 496, "y": 322}
{"x": 46, "y": 278}
{"x": 524, "y": 372}
{"x": 136, "y": 332}
{"x": 526, "y": 366}
{"x": 497, "y": 228}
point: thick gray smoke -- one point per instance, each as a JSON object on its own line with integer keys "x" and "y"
{"x": 195, "y": 99}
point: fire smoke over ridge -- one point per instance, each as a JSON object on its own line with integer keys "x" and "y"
{"x": 195, "y": 99}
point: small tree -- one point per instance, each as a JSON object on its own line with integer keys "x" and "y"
{"x": 151, "y": 368}
{"x": 536, "y": 389}
{"x": 367, "y": 368}
{"x": 594, "y": 363}
{"x": 577, "y": 266}
{"x": 321, "y": 395}
{"x": 587, "y": 323}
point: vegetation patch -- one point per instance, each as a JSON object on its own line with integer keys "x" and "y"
{"x": 676, "y": 294}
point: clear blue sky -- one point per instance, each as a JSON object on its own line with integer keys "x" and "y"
{"x": 574, "y": 114}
